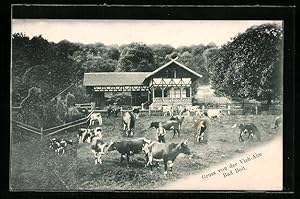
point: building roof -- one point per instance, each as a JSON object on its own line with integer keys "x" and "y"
{"x": 126, "y": 78}
{"x": 114, "y": 78}
{"x": 177, "y": 63}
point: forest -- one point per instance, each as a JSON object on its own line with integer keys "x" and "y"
{"x": 249, "y": 66}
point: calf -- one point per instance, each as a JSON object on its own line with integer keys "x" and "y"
{"x": 165, "y": 152}
{"x": 98, "y": 146}
{"x": 59, "y": 145}
{"x": 168, "y": 125}
{"x": 128, "y": 147}
{"x": 248, "y": 128}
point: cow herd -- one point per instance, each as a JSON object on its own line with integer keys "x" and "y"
{"x": 159, "y": 150}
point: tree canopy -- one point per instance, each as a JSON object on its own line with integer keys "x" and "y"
{"x": 250, "y": 66}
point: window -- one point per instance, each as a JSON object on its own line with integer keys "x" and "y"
{"x": 187, "y": 90}
{"x": 157, "y": 92}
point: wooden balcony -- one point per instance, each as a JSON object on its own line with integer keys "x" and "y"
{"x": 168, "y": 99}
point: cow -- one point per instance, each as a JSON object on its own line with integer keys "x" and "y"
{"x": 82, "y": 134}
{"x": 113, "y": 110}
{"x": 95, "y": 119}
{"x": 182, "y": 110}
{"x": 168, "y": 125}
{"x": 98, "y": 146}
{"x": 136, "y": 112}
{"x": 201, "y": 133}
{"x": 167, "y": 110}
{"x": 59, "y": 145}
{"x": 178, "y": 118}
{"x": 86, "y": 134}
{"x": 128, "y": 123}
{"x": 128, "y": 147}
{"x": 164, "y": 152}
{"x": 248, "y": 128}
{"x": 214, "y": 113}
{"x": 277, "y": 122}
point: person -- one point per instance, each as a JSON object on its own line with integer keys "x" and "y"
{"x": 160, "y": 132}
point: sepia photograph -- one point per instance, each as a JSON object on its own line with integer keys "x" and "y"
{"x": 111, "y": 104}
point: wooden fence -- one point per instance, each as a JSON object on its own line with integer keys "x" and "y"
{"x": 54, "y": 130}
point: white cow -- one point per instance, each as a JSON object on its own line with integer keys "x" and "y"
{"x": 167, "y": 110}
{"x": 95, "y": 117}
{"x": 214, "y": 113}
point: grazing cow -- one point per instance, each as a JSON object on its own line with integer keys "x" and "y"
{"x": 178, "y": 118}
{"x": 248, "y": 128}
{"x": 59, "y": 145}
{"x": 98, "y": 146}
{"x": 165, "y": 152}
{"x": 214, "y": 113}
{"x": 277, "y": 122}
{"x": 128, "y": 123}
{"x": 201, "y": 126}
{"x": 128, "y": 147}
{"x": 167, "y": 110}
{"x": 168, "y": 125}
{"x": 95, "y": 118}
{"x": 136, "y": 112}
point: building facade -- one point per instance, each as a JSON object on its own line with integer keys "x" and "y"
{"x": 170, "y": 84}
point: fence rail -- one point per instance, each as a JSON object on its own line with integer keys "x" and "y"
{"x": 56, "y": 129}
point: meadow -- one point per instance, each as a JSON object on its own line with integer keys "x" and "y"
{"x": 34, "y": 167}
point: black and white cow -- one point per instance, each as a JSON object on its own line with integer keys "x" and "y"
{"x": 85, "y": 134}
{"x": 136, "y": 112}
{"x": 201, "y": 133}
{"x": 248, "y": 128}
{"x": 167, "y": 153}
{"x": 128, "y": 123}
{"x": 98, "y": 146}
{"x": 95, "y": 119}
{"x": 59, "y": 145}
{"x": 113, "y": 110}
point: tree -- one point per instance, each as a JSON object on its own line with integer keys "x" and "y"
{"x": 136, "y": 57}
{"x": 250, "y": 66}
{"x": 160, "y": 53}
{"x": 99, "y": 65}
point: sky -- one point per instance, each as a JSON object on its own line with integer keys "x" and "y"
{"x": 109, "y": 32}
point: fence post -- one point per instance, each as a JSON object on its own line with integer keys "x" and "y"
{"x": 256, "y": 110}
{"x": 42, "y": 133}
{"x": 142, "y": 106}
{"x": 228, "y": 109}
{"x": 121, "y": 111}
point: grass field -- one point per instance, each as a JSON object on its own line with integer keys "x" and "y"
{"x": 34, "y": 167}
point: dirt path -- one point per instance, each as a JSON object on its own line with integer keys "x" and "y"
{"x": 261, "y": 173}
